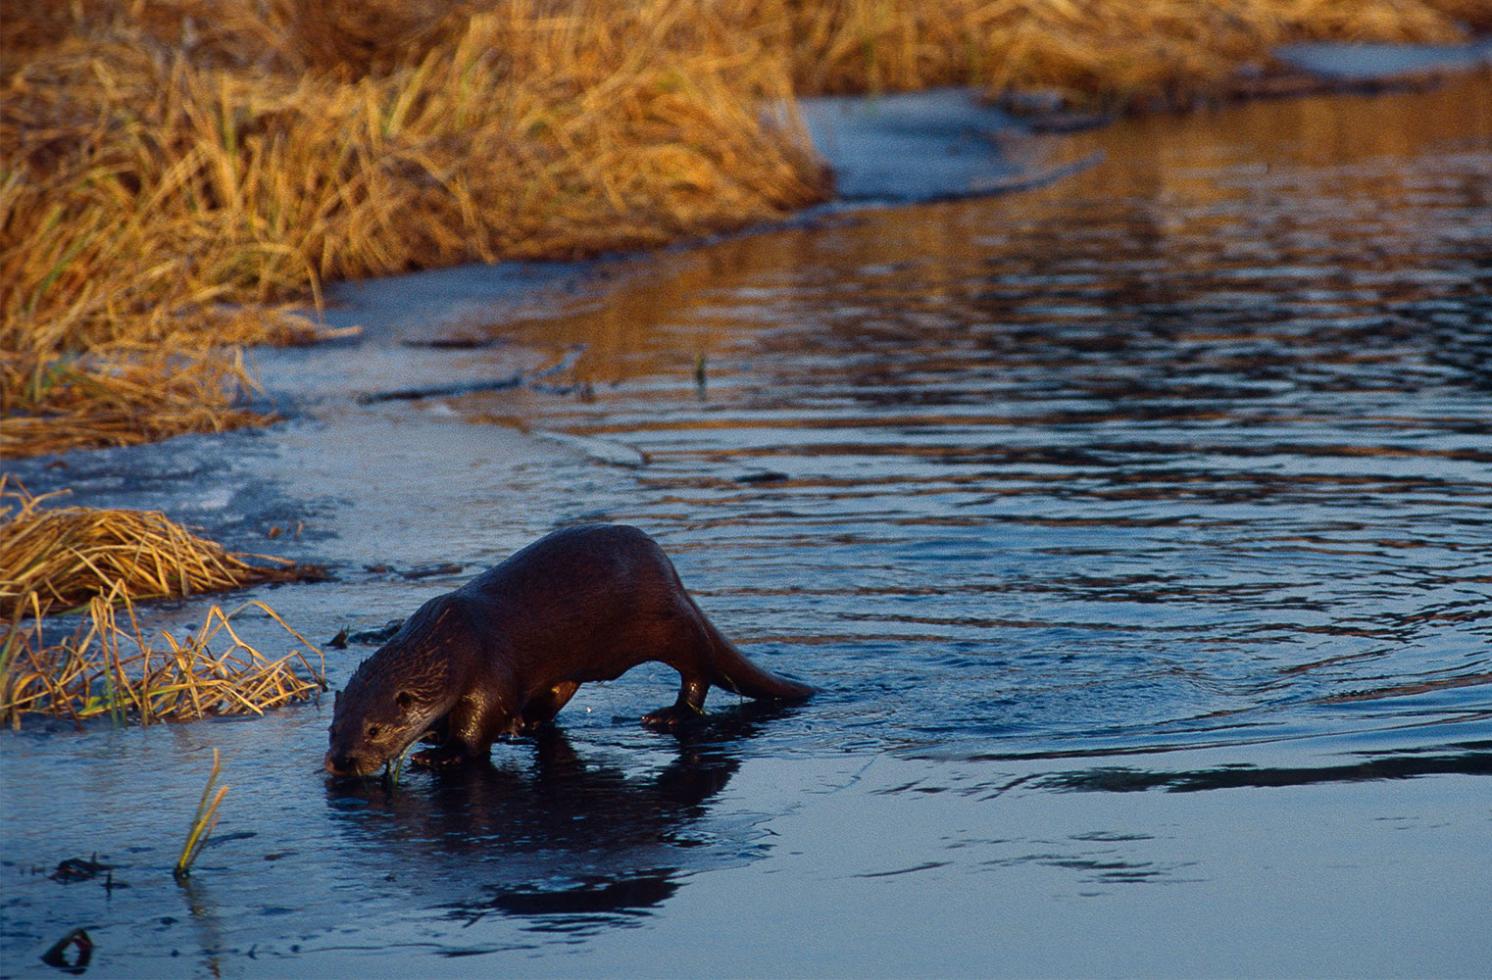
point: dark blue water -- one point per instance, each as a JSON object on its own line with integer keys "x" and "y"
{"x": 1137, "y": 531}
{"x": 1194, "y": 446}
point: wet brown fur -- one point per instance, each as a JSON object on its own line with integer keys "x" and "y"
{"x": 502, "y": 654}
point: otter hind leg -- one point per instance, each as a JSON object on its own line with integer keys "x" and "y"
{"x": 684, "y": 644}
{"x": 689, "y": 706}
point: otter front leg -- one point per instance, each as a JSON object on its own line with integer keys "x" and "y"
{"x": 468, "y": 731}
{"x": 689, "y": 707}
{"x": 540, "y": 709}
{"x": 439, "y": 731}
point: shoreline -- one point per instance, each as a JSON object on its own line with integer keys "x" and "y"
{"x": 404, "y": 347}
{"x": 888, "y": 149}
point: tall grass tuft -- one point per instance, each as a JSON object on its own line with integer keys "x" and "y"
{"x": 66, "y": 556}
{"x": 1118, "y": 53}
{"x": 173, "y": 168}
{"x": 54, "y": 402}
{"x": 203, "y": 821}
{"x": 109, "y": 669}
{"x": 105, "y": 560}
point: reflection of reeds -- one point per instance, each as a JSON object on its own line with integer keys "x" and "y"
{"x": 203, "y": 821}
{"x": 69, "y": 555}
{"x": 106, "y": 669}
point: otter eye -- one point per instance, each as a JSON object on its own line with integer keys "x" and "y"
{"x": 373, "y": 731}
{"x": 404, "y": 699}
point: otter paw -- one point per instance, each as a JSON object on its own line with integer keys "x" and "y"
{"x": 670, "y": 718}
{"x": 438, "y": 758}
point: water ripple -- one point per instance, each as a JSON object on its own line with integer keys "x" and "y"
{"x": 1187, "y": 442}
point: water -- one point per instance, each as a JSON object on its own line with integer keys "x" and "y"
{"x": 1136, "y": 531}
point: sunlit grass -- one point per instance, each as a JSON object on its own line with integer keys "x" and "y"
{"x": 1113, "y": 53}
{"x": 104, "y": 560}
{"x": 60, "y": 557}
{"x": 204, "y": 820}
{"x": 109, "y": 668}
{"x": 172, "y": 168}
{"x": 56, "y": 402}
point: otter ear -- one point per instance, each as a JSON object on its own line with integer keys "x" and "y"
{"x": 404, "y": 699}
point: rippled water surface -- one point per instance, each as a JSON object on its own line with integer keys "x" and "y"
{"x": 1193, "y": 446}
{"x": 1137, "y": 531}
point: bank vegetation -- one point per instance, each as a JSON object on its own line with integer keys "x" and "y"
{"x": 102, "y": 561}
{"x": 177, "y": 170}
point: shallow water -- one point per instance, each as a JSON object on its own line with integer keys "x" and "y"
{"x": 1136, "y": 531}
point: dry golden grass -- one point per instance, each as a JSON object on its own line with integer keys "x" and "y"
{"x": 64, "y": 557}
{"x": 167, "y": 158}
{"x": 106, "y": 669}
{"x": 150, "y": 177}
{"x": 1120, "y": 53}
{"x": 164, "y": 160}
{"x": 171, "y": 166}
{"x": 53, "y": 404}
{"x": 54, "y": 557}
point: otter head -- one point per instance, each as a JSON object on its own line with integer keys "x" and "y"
{"x": 396, "y": 695}
{"x": 375, "y": 730}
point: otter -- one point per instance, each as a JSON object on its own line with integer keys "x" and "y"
{"x": 503, "y": 654}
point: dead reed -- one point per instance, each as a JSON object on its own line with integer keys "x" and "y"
{"x": 203, "y": 821}
{"x": 105, "y": 560}
{"x": 56, "y": 402}
{"x": 171, "y": 167}
{"x": 62, "y": 557}
{"x": 106, "y": 669}
{"x": 154, "y": 172}
{"x": 164, "y": 160}
{"x": 1117, "y": 53}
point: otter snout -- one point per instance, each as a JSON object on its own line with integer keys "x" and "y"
{"x": 344, "y": 764}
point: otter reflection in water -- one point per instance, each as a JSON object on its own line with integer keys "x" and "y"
{"x": 560, "y": 833}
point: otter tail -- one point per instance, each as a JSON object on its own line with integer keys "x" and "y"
{"x": 730, "y": 669}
